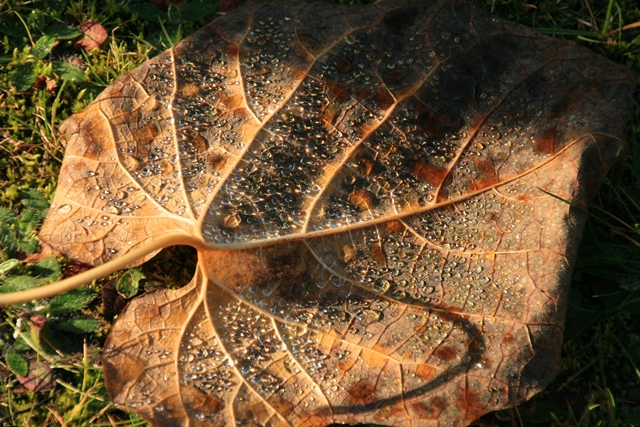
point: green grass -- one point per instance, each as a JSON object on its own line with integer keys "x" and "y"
{"x": 60, "y": 340}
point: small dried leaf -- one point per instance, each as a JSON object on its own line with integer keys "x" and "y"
{"x": 40, "y": 377}
{"x": 45, "y": 252}
{"x": 94, "y": 35}
{"x": 47, "y": 83}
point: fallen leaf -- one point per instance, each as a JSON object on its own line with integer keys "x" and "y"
{"x": 94, "y": 35}
{"x": 40, "y": 378}
{"x": 388, "y": 201}
{"x": 46, "y": 82}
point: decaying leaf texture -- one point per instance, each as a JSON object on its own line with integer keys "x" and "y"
{"x": 377, "y": 190}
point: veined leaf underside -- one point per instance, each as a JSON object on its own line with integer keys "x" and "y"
{"x": 365, "y": 187}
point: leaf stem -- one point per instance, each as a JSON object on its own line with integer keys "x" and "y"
{"x": 97, "y": 272}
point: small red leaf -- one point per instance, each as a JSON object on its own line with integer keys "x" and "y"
{"x": 40, "y": 377}
{"x": 94, "y": 35}
{"x": 46, "y": 82}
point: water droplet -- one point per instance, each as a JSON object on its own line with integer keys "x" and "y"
{"x": 231, "y": 221}
{"x": 381, "y": 285}
{"x": 64, "y": 209}
{"x": 368, "y": 316}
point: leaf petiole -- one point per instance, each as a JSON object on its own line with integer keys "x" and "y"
{"x": 97, "y": 272}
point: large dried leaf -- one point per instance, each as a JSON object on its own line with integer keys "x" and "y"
{"x": 378, "y": 195}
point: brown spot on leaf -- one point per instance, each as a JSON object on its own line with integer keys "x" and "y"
{"x": 393, "y": 226}
{"x": 228, "y": 268}
{"x": 361, "y": 199}
{"x": 382, "y": 98}
{"x": 434, "y": 124}
{"x": 451, "y": 311}
{"x": 445, "y": 353}
{"x": 227, "y": 6}
{"x": 232, "y": 50}
{"x": 198, "y": 401}
{"x": 475, "y": 345}
{"x": 365, "y": 165}
{"x": 190, "y": 90}
{"x": 337, "y": 91}
{"x": 486, "y": 172}
{"x": 471, "y": 402}
{"x": 281, "y": 404}
{"x": 425, "y": 372}
{"x": 378, "y": 254}
{"x": 429, "y": 410}
{"x": 426, "y": 172}
{"x": 545, "y": 145}
{"x": 507, "y": 338}
{"x": 362, "y": 390}
{"x": 395, "y": 77}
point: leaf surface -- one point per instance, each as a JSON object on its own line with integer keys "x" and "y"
{"x": 381, "y": 195}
